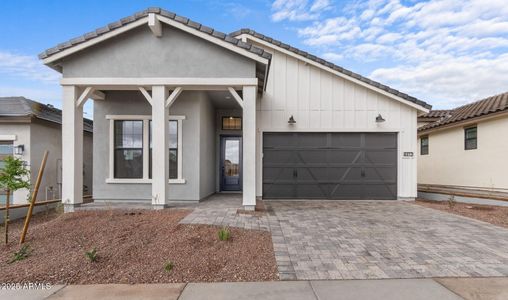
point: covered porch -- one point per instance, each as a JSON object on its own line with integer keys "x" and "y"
{"x": 153, "y": 104}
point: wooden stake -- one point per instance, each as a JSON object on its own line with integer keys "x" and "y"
{"x": 34, "y": 196}
{"x": 7, "y": 217}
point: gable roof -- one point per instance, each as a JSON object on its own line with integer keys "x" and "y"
{"x": 144, "y": 14}
{"x": 331, "y": 65}
{"x": 484, "y": 107}
{"x": 23, "y": 107}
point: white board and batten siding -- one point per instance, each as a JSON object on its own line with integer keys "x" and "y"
{"x": 322, "y": 101}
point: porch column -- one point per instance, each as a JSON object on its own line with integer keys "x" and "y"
{"x": 160, "y": 147}
{"x": 249, "y": 147}
{"x": 72, "y": 149}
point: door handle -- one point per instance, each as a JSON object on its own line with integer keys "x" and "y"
{"x": 363, "y": 173}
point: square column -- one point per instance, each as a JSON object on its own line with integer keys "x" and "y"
{"x": 249, "y": 147}
{"x": 160, "y": 147}
{"x": 72, "y": 149}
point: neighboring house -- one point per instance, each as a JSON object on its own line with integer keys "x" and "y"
{"x": 246, "y": 113}
{"x": 432, "y": 116}
{"x": 27, "y": 129}
{"x": 465, "y": 151}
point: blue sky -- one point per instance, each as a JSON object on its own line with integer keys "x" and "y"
{"x": 446, "y": 52}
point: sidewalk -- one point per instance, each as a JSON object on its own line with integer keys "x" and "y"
{"x": 390, "y": 289}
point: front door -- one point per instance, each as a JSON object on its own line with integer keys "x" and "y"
{"x": 231, "y": 163}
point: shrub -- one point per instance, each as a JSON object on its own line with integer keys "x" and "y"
{"x": 168, "y": 266}
{"x": 91, "y": 255}
{"x": 224, "y": 234}
{"x": 22, "y": 253}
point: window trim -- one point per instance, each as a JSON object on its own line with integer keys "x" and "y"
{"x": 421, "y": 145}
{"x": 146, "y": 146}
{"x": 466, "y": 139}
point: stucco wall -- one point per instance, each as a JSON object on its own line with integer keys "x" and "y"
{"x": 207, "y": 148}
{"x": 138, "y": 53}
{"x": 22, "y": 133}
{"x": 449, "y": 164}
{"x": 321, "y": 101}
{"x": 188, "y": 104}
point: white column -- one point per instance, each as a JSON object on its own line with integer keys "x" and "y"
{"x": 249, "y": 147}
{"x": 160, "y": 147}
{"x": 72, "y": 149}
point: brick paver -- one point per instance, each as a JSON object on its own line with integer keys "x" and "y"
{"x": 376, "y": 239}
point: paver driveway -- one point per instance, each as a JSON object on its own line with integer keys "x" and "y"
{"x": 376, "y": 239}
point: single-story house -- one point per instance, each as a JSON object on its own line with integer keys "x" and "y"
{"x": 464, "y": 152}
{"x": 27, "y": 129}
{"x": 182, "y": 111}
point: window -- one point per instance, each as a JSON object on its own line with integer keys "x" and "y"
{"x": 6, "y": 149}
{"x": 424, "y": 145}
{"x": 131, "y": 149}
{"x": 231, "y": 123}
{"x": 470, "y": 138}
{"x": 173, "y": 150}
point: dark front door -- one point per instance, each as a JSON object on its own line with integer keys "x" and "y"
{"x": 231, "y": 163}
{"x": 330, "y": 165}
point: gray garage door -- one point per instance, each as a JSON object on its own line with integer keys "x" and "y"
{"x": 320, "y": 165}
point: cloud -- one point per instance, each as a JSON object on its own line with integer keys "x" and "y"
{"x": 27, "y": 67}
{"x": 298, "y": 10}
{"x": 432, "y": 49}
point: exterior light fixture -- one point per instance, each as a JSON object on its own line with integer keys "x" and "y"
{"x": 19, "y": 149}
{"x": 291, "y": 120}
{"x": 380, "y": 119}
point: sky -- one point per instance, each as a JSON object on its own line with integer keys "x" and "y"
{"x": 445, "y": 52}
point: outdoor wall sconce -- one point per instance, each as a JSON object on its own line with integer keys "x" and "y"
{"x": 380, "y": 119}
{"x": 19, "y": 149}
{"x": 291, "y": 120}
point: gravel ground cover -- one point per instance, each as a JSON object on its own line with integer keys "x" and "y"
{"x": 497, "y": 215}
{"x": 134, "y": 247}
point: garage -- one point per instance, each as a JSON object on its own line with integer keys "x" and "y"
{"x": 329, "y": 165}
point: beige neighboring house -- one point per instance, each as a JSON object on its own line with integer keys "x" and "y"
{"x": 464, "y": 151}
{"x": 27, "y": 129}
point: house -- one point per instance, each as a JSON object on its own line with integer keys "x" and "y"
{"x": 246, "y": 113}
{"x": 463, "y": 153}
{"x": 27, "y": 129}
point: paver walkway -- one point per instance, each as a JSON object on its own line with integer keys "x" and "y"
{"x": 385, "y": 239}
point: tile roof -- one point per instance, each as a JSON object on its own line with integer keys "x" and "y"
{"x": 22, "y": 107}
{"x": 139, "y": 15}
{"x": 438, "y": 113}
{"x": 473, "y": 110}
{"x": 330, "y": 65}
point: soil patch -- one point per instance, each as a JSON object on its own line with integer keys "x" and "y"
{"x": 133, "y": 247}
{"x": 497, "y": 215}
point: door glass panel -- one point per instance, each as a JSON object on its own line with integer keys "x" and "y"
{"x": 232, "y": 158}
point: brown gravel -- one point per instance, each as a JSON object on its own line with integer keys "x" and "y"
{"x": 133, "y": 248}
{"x": 497, "y": 215}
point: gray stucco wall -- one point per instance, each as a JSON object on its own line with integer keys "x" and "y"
{"x": 189, "y": 104}
{"x": 207, "y": 149}
{"x": 138, "y": 53}
{"x": 48, "y": 136}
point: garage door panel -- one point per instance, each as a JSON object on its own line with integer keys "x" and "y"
{"x": 346, "y": 140}
{"x": 330, "y": 165}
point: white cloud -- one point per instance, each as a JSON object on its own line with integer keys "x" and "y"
{"x": 298, "y": 10}
{"x": 26, "y": 66}
{"x": 439, "y": 50}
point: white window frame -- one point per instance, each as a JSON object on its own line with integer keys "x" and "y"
{"x": 146, "y": 148}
